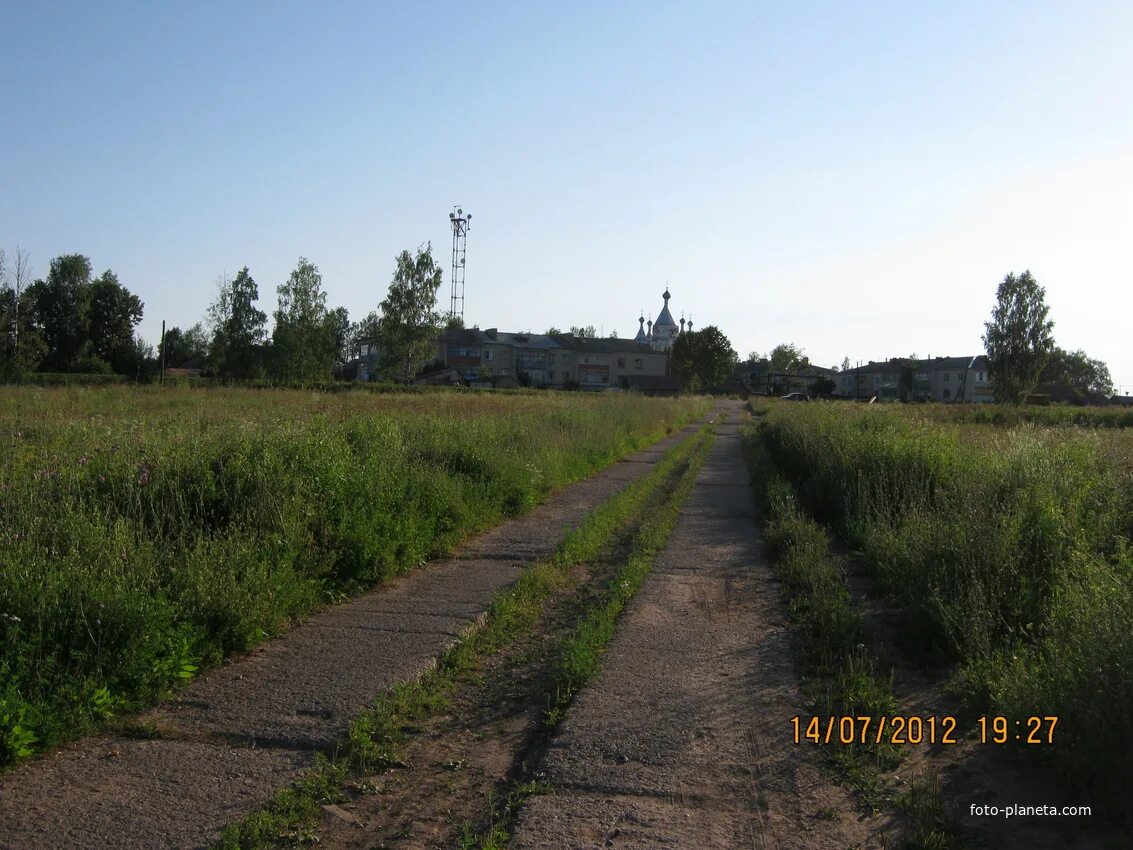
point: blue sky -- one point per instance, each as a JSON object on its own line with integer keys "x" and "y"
{"x": 853, "y": 178}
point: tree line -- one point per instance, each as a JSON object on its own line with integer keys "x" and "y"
{"x": 72, "y": 321}
{"x": 1020, "y": 346}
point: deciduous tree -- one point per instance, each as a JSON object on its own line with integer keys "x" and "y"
{"x": 409, "y": 320}
{"x": 1018, "y": 338}
{"x": 181, "y": 346}
{"x": 703, "y": 359}
{"x": 85, "y": 325}
{"x": 787, "y": 357}
{"x": 1077, "y": 370}
{"x": 58, "y": 310}
{"x": 237, "y": 329}
{"x": 304, "y": 344}
{"x": 364, "y": 331}
{"x": 21, "y": 345}
{"x": 112, "y": 313}
{"x": 339, "y": 327}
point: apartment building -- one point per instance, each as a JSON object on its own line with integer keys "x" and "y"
{"x": 874, "y": 379}
{"x": 932, "y": 379}
{"x": 549, "y": 360}
{"x": 953, "y": 379}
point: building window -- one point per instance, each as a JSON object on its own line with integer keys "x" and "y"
{"x": 983, "y": 376}
{"x": 637, "y": 363}
{"x": 877, "y": 380}
{"x": 959, "y": 376}
{"x": 488, "y": 355}
{"x": 550, "y": 358}
{"x": 947, "y": 375}
{"x": 621, "y": 362}
{"x": 947, "y": 392}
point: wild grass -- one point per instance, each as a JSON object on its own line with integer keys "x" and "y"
{"x": 377, "y": 736}
{"x": 998, "y": 415}
{"x": 1008, "y": 416}
{"x": 1007, "y": 550}
{"x": 929, "y": 825}
{"x": 144, "y": 533}
{"x": 840, "y": 674}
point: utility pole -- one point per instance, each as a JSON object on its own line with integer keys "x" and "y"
{"x": 161, "y": 380}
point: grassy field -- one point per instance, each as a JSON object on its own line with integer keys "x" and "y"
{"x": 1007, "y": 416}
{"x": 1006, "y": 548}
{"x": 145, "y": 533}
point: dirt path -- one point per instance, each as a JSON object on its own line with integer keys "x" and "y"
{"x": 683, "y": 739}
{"x": 458, "y": 766}
{"x": 246, "y": 729}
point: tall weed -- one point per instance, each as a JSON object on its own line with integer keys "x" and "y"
{"x": 1007, "y": 549}
{"x": 145, "y": 532}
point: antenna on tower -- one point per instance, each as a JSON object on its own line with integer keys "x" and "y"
{"x": 461, "y": 222}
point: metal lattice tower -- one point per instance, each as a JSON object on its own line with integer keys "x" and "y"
{"x": 460, "y": 222}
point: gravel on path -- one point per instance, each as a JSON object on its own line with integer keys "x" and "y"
{"x": 242, "y": 731}
{"x": 683, "y": 740}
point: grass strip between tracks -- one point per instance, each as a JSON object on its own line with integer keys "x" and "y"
{"x": 377, "y": 736}
{"x": 580, "y": 653}
{"x": 580, "y": 656}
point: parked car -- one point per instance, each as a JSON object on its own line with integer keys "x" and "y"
{"x": 795, "y": 397}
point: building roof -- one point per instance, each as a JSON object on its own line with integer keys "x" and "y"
{"x": 665, "y": 318}
{"x": 520, "y": 340}
{"x": 939, "y": 363}
{"x": 935, "y": 364}
{"x": 492, "y": 336}
{"x": 603, "y": 345}
{"x": 641, "y": 335}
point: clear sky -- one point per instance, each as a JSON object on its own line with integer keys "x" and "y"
{"x": 855, "y": 178}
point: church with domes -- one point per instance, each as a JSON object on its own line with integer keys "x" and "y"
{"x": 661, "y": 334}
